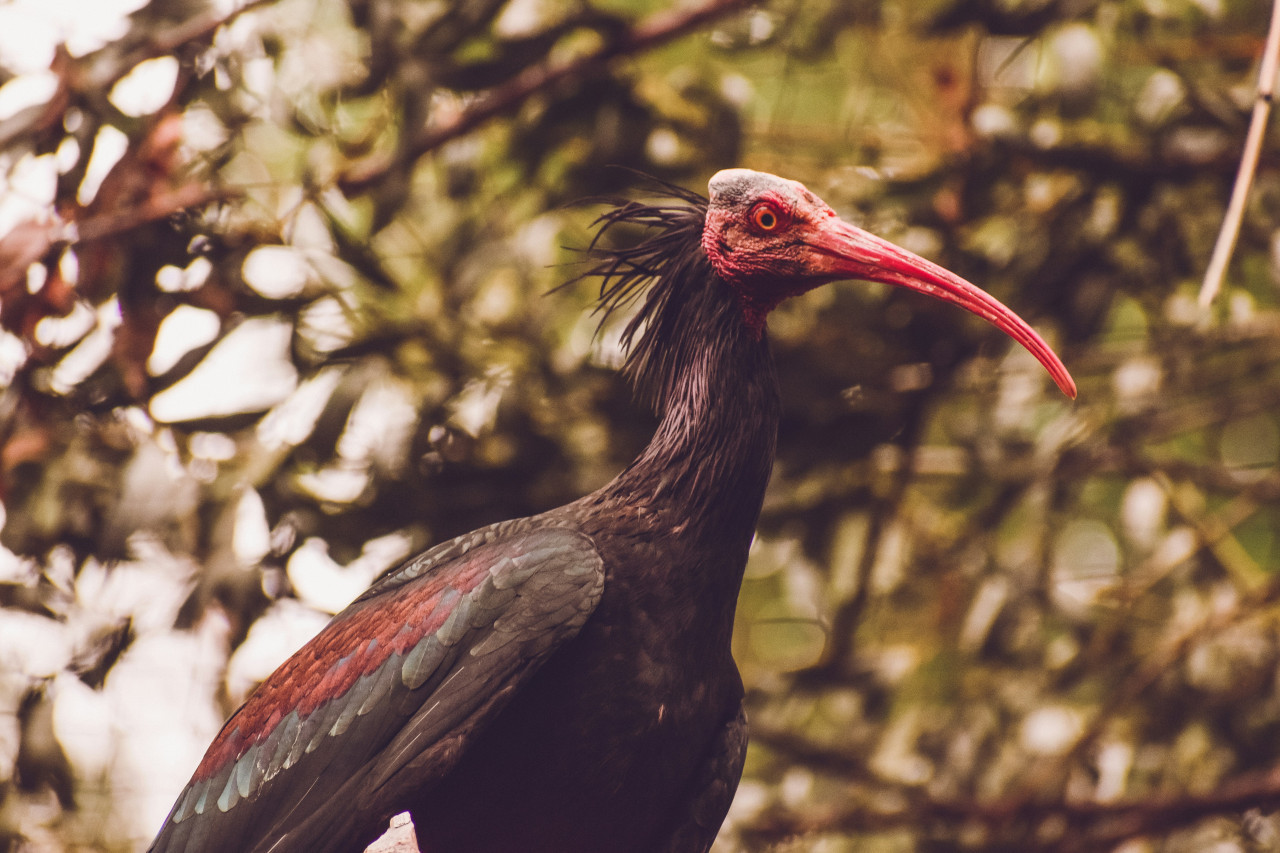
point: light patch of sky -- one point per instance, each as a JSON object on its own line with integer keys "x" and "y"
{"x": 108, "y": 147}
{"x": 82, "y": 722}
{"x": 173, "y": 279}
{"x": 68, "y": 267}
{"x": 251, "y": 536}
{"x": 31, "y": 647}
{"x": 147, "y": 87}
{"x": 67, "y": 155}
{"x": 476, "y": 407}
{"x": 522, "y": 18}
{"x": 214, "y": 446}
{"x": 294, "y": 418}
{"x": 90, "y": 353}
{"x": 1051, "y": 730}
{"x": 1086, "y": 558}
{"x": 342, "y": 483}
{"x": 277, "y": 271}
{"x": 249, "y": 370}
{"x": 27, "y": 188}
{"x": 737, "y": 89}
{"x": 538, "y": 240}
{"x": 26, "y": 90}
{"x": 329, "y": 586}
{"x": 201, "y": 129}
{"x": 59, "y": 332}
{"x": 272, "y": 638}
{"x": 318, "y": 57}
{"x": 13, "y": 354}
{"x": 663, "y": 145}
{"x": 161, "y": 706}
{"x": 184, "y": 329}
{"x": 30, "y": 30}
{"x": 32, "y": 644}
{"x": 380, "y": 425}
{"x": 325, "y": 325}
{"x": 37, "y": 275}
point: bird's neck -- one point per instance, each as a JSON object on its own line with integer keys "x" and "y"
{"x": 708, "y": 463}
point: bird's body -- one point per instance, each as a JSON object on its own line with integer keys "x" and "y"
{"x": 564, "y": 682}
{"x": 632, "y": 735}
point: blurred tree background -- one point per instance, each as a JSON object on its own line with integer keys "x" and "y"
{"x": 274, "y": 294}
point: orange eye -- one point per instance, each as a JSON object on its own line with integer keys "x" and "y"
{"x": 765, "y": 217}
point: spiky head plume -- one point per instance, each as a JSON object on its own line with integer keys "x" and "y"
{"x": 662, "y": 271}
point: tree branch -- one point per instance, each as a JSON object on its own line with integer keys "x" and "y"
{"x": 1248, "y": 163}
{"x": 646, "y": 35}
{"x": 1025, "y": 823}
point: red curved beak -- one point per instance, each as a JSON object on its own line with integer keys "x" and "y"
{"x": 845, "y": 251}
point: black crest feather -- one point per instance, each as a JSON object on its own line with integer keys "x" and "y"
{"x": 666, "y": 267}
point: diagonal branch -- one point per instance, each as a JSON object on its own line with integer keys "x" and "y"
{"x": 1248, "y": 163}
{"x": 650, "y": 33}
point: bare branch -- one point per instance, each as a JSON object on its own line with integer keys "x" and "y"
{"x": 154, "y": 208}
{"x": 1248, "y": 164}
{"x": 1079, "y": 825}
{"x": 646, "y": 35}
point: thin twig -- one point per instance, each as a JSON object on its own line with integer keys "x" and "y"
{"x": 1248, "y": 164}
{"x": 156, "y": 207}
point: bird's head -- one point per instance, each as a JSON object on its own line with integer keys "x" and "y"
{"x": 771, "y": 239}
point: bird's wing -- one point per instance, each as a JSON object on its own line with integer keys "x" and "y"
{"x": 404, "y": 676}
{"x": 707, "y": 800}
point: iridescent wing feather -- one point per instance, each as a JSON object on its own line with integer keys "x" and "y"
{"x": 400, "y": 680}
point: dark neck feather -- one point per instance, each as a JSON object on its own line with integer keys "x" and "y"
{"x": 661, "y": 270}
{"x": 692, "y": 357}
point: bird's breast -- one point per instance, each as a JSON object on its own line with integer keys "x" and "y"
{"x": 600, "y": 746}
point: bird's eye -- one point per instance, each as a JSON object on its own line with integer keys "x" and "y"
{"x": 765, "y": 217}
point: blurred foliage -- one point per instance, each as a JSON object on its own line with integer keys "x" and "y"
{"x": 301, "y": 328}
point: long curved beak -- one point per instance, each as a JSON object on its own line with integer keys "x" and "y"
{"x": 842, "y": 250}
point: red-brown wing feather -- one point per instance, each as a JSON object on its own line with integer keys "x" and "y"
{"x": 427, "y": 655}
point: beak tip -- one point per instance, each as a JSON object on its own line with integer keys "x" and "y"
{"x": 1067, "y": 385}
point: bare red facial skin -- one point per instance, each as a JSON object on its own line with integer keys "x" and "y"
{"x": 771, "y": 239}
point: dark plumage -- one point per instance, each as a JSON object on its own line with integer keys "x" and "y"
{"x": 564, "y": 682}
